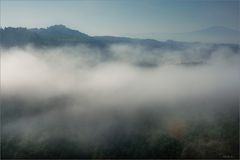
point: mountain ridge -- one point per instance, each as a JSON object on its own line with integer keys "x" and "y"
{"x": 58, "y": 35}
{"x": 214, "y": 34}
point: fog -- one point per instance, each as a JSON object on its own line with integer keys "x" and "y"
{"x": 87, "y": 97}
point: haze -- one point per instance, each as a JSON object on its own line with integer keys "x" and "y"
{"x": 73, "y": 95}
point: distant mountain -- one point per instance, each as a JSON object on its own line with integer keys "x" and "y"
{"x": 17, "y": 37}
{"x": 136, "y": 41}
{"x": 59, "y": 35}
{"x": 60, "y": 30}
{"x": 52, "y": 36}
{"x": 216, "y": 34}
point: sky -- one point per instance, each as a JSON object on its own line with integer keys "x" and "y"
{"x": 122, "y": 17}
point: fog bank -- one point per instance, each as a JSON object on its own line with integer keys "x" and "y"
{"x": 87, "y": 95}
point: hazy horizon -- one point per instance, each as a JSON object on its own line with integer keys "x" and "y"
{"x": 122, "y": 18}
{"x": 215, "y": 34}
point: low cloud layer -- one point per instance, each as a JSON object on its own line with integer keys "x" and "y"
{"x": 87, "y": 93}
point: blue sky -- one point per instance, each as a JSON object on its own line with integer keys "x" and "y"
{"x": 122, "y": 17}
